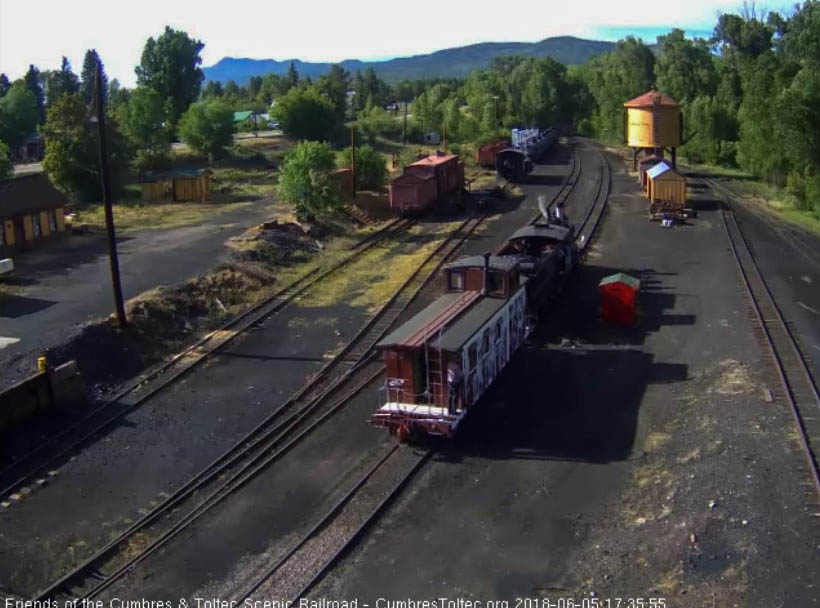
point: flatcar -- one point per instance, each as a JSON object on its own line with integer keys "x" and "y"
{"x": 426, "y": 181}
{"x": 440, "y": 362}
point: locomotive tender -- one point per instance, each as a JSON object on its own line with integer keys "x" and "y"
{"x": 489, "y": 308}
{"x": 528, "y": 145}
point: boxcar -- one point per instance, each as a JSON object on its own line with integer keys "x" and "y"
{"x": 412, "y": 191}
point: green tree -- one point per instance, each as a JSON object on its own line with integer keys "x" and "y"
{"x": 292, "y": 77}
{"x": 170, "y": 65}
{"x": 212, "y": 88}
{"x": 207, "y": 126}
{"x": 18, "y": 114}
{"x": 254, "y": 86}
{"x": 6, "y": 167}
{"x": 143, "y": 123}
{"x": 685, "y": 68}
{"x": 5, "y": 85}
{"x": 89, "y": 74}
{"x": 371, "y": 169}
{"x": 32, "y": 81}
{"x": 334, "y": 85}
{"x": 117, "y": 95}
{"x": 72, "y": 148}
{"x": 304, "y": 113}
{"x": 61, "y": 81}
{"x": 305, "y": 181}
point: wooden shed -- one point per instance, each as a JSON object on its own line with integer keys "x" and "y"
{"x": 666, "y": 189}
{"x": 644, "y": 166}
{"x": 344, "y": 181}
{"x": 31, "y": 210}
{"x": 177, "y": 186}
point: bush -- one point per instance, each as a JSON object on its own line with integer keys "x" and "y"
{"x": 371, "y": 169}
{"x": 305, "y": 181}
{"x": 304, "y": 113}
{"x": 207, "y": 127}
{"x": 6, "y": 168}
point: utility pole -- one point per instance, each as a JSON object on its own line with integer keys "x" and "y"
{"x": 353, "y": 157}
{"x": 444, "y": 138}
{"x": 404, "y": 135}
{"x": 106, "y": 189}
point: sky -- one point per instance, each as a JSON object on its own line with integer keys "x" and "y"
{"x": 43, "y": 31}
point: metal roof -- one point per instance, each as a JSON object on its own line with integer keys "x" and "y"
{"x": 551, "y": 231}
{"x": 433, "y": 160}
{"x": 240, "y": 116}
{"x": 429, "y": 320}
{"x": 27, "y": 194}
{"x": 620, "y": 277}
{"x": 174, "y": 174}
{"x": 655, "y": 171}
{"x": 455, "y": 336}
{"x": 649, "y": 99}
{"x": 414, "y": 178}
{"x": 503, "y": 262}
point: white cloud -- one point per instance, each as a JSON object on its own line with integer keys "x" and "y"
{"x": 41, "y": 32}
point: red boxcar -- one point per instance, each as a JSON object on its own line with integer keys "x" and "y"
{"x": 486, "y": 154}
{"x": 411, "y": 191}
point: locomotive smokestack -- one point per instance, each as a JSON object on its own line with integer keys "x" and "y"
{"x": 486, "y": 273}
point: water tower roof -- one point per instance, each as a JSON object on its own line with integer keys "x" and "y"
{"x": 649, "y": 99}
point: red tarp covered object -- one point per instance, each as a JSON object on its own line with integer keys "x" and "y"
{"x": 619, "y": 297}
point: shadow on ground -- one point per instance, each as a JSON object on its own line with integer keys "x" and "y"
{"x": 13, "y": 306}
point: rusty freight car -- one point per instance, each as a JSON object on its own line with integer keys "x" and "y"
{"x": 426, "y": 181}
{"x": 486, "y": 154}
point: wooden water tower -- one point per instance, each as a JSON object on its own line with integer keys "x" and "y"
{"x": 653, "y": 124}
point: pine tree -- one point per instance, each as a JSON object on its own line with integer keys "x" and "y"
{"x": 61, "y": 81}
{"x": 32, "y": 80}
{"x": 5, "y": 84}
{"x": 88, "y": 75}
{"x": 292, "y": 76}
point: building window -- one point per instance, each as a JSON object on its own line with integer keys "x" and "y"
{"x": 35, "y": 225}
{"x": 52, "y": 221}
{"x": 456, "y": 281}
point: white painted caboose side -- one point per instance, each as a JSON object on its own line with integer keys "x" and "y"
{"x": 482, "y": 359}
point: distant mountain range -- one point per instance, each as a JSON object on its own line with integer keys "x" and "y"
{"x": 454, "y": 62}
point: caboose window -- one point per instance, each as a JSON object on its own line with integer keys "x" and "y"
{"x": 456, "y": 281}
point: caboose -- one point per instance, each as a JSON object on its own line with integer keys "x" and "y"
{"x": 474, "y": 328}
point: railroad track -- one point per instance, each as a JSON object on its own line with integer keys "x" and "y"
{"x": 315, "y": 553}
{"x": 349, "y": 372}
{"x": 57, "y": 448}
{"x": 603, "y": 186}
{"x": 566, "y": 189}
{"x": 798, "y": 386}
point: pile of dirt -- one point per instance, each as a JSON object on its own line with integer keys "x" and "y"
{"x": 160, "y": 321}
{"x": 275, "y": 243}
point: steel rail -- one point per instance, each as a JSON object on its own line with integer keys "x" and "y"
{"x": 269, "y": 439}
{"x": 768, "y": 326}
{"x": 380, "y": 507}
{"x": 251, "y": 317}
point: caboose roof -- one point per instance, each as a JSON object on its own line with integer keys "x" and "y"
{"x": 466, "y": 326}
{"x": 505, "y": 263}
{"x": 421, "y": 327}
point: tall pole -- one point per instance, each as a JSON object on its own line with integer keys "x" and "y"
{"x": 444, "y": 138}
{"x": 353, "y": 157}
{"x": 404, "y": 135}
{"x": 106, "y": 189}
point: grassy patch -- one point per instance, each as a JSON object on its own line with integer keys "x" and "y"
{"x": 375, "y": 276}
{"x": 139, "y": 215}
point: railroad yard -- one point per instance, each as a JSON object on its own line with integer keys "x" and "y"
{"x": 670, "y": 459}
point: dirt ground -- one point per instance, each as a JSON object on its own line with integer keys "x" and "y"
{"x": 606, "y": 462}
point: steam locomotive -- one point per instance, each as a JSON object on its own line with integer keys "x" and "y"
{"x": 528, "y": 145}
